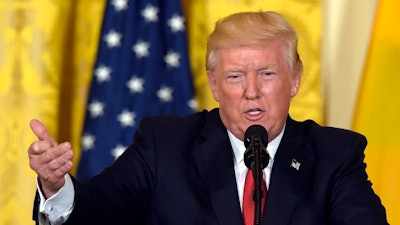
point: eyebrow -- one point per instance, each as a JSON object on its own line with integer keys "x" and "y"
{"x": 260, "y": 68}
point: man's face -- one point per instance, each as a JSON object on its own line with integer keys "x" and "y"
{"x": 253, "y": 86}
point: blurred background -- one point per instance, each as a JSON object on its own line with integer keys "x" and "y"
{"x": 64, "y": 62}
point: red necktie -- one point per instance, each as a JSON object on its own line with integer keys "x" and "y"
{"x": 248, "y": 202}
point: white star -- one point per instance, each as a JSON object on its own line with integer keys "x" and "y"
{"x": 118, "y": 150}
{"x": 172, "y": 59}
{"x": 141, "y": 49}
{"x": 113, "y": 39}
{"x": 96, "y": 109}
{"x": 102, "y": 73}
{"x": 193, "y": 104}
{"x": 165, "y": 94}
{"x": 135, "y": 84}
{"x": 120, "y": 5}
{"x": 126, "y": 118}
{"x": 150, "y": 13}
{"x": 87, "y": 142}
{"x": 176, "y": 23}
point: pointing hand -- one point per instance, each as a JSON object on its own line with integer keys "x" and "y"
{"x": 50, "y": 160}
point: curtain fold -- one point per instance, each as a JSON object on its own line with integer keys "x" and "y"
{"x": 47, "y": 50}
{"x": 378, "y": 109}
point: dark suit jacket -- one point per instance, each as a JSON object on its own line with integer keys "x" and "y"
{"x": 180, "y": 171}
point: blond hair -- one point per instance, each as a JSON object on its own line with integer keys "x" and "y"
{"x": 254, "y": 29}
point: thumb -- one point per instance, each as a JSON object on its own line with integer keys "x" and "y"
{"x": 41, "y": 131}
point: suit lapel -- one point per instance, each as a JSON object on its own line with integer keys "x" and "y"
{"x": 215, "y": 162}
{"x": 291, "y": 175}
{"x": 290, "y": 179}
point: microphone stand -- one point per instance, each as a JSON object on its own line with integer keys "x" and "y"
{"x": 256, "y": 158}
{"x": 257, "y": 174}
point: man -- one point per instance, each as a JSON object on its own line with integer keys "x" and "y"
{"x": 190, "y": 170}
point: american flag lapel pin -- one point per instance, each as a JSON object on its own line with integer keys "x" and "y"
{"x": 295, "y": 164}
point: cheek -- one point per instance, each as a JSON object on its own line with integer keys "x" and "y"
{"x": 231, "y": 93}
{"x": 278, "y": 95}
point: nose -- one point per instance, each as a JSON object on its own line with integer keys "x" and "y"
{"x": 251, "y": 87}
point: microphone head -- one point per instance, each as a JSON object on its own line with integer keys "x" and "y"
{"x": 259, "y": 136}
{"x": 255, "y": 130}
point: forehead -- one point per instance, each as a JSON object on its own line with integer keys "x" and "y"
{"x": 250, "y": 55}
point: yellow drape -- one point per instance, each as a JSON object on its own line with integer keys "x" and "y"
{"x": 378, "y": 109}
{"x": 304, "y": 15}
{"x": 47, "y": 49}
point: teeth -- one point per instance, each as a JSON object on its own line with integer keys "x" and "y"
{"x": 254, "y": 112}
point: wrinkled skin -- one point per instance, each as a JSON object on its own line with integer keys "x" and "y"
{"x": 253, "y": 86}
{"x": 50, "y": 160}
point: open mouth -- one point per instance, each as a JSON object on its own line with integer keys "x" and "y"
{"x": 254, "y": 112}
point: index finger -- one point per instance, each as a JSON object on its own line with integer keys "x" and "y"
{"x": 41, "y": 132}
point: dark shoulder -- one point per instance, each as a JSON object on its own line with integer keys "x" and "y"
{"x": 177, "y": 121}
{"x": 174, "y": 129}
{"x": 325, "y": 141}
{"x": 172, "y": 125}
{"x": 331, "y": 135}
{"x": 331, "y": 146}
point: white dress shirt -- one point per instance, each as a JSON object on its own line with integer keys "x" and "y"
{"x": 56, "y": 209}
{"x": 241, "y": 169}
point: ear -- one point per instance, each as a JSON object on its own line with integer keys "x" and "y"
{"x": 296, "y": 80}
{"x": 212, "y": 82}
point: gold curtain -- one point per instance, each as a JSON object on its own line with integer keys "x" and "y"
{"x": 47, "y": 50}
{"x": 377, "y": 112}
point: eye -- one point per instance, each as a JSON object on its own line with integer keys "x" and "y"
{"x": 234, "y": 77}
{"x": 266, "y": 74}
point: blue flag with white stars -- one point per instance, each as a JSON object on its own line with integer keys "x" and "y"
{"x": 142, "y": 69}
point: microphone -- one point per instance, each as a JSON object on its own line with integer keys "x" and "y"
{"x": 256, "y": 140}
{"x": 256, "y": 159}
